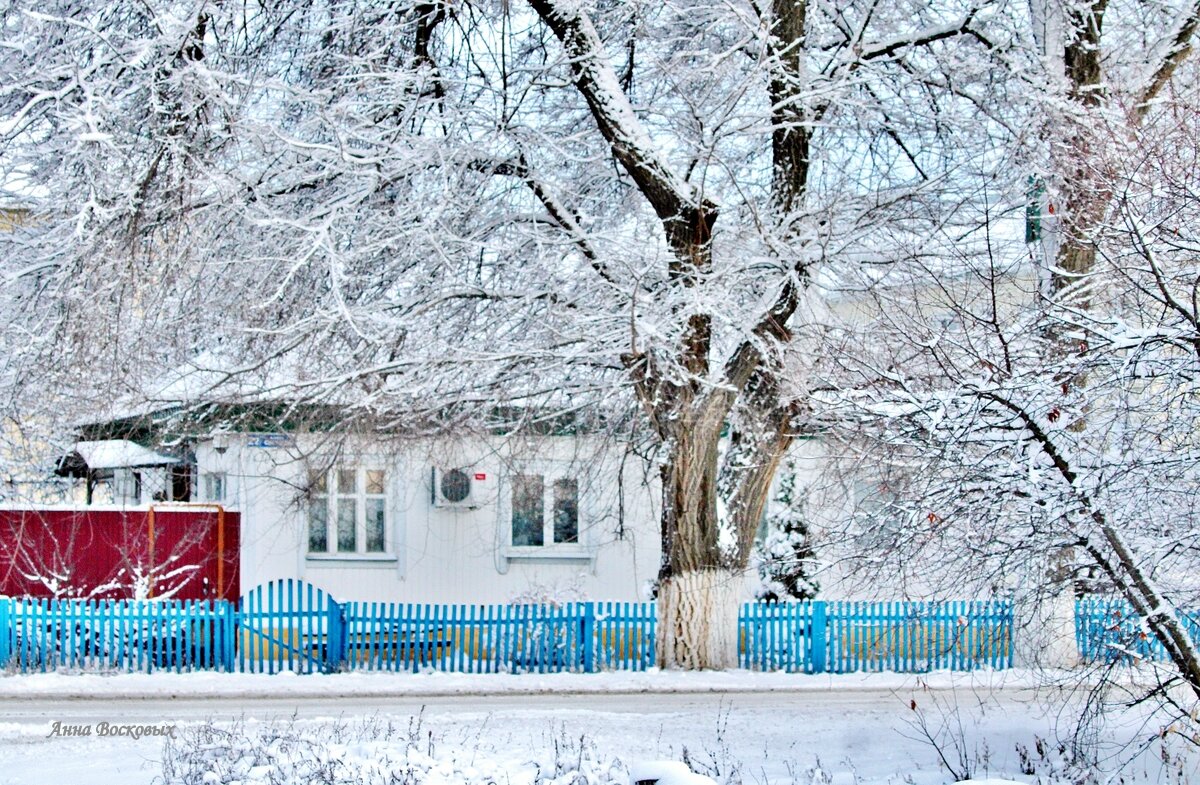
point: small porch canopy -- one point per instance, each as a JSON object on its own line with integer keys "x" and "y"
{"x": 108, "y": 454}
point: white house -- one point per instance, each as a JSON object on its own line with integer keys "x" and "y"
{"x": 478, "y": 521}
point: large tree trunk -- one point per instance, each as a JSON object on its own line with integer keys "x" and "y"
{"x": 1083, "y": 203}
{"x": 702, "y": 586}
{"x": 698, "y": 619}
{"x": 699, "y": 595}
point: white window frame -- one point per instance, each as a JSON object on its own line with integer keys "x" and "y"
{"x": 361, "y": 495}
{"x": 549, "y": 549}
{"x": 214, "y": 480}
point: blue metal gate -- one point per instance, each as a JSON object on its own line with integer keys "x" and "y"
{"x": 290, "y": 625}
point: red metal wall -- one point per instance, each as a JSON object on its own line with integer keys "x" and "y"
{"x": 93, "y": 553}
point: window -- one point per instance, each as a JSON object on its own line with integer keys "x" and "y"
{"x": 214, "y": 487}
{"x": 879, "y": 505}
{"x": 125, "y": 485}
{"x": 347, "y": 512}
{"x": 535, "y": 494}
{"x": 181, "y": 482}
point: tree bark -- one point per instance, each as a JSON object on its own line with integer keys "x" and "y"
{"x": 699, "y": 610}
{"x": 690, "y": 498}
{"x": 756, "y": 457}
{"x": 790, "y": 135}
{"x": 1084, "y": 199}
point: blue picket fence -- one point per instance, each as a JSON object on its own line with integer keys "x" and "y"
{"x": 126, "y": 635}
{"x": 294, "y": 626}
{"x": 1107, "y": 630}
{"x": 843, "y": 637}
{"x": 581, "y": 637}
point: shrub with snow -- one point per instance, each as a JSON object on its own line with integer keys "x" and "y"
{"x": 377, "y": 751}
{"x": 784, "y": 555}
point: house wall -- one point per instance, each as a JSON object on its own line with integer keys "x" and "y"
{"x": 853, "y": 484}
{"x": 445, "y": 555}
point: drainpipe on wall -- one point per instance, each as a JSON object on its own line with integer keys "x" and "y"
{"x": 220, "y": 540}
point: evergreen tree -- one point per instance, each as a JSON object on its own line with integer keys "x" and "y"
{"x": 784, "y": 554}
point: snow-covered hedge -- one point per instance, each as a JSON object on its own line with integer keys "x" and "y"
{"x": 392, "y": 751}
{"x": 376, "y": 751}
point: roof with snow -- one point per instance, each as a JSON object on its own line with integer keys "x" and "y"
{"x": 110, "y": 454}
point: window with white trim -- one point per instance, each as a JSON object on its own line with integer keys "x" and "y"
{"x": 214, "y": 486}
{"x": 348, "y": 511}
{"x": 544, "y": 510}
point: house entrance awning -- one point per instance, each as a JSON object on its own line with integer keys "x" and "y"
{"x": 109, "y": 454}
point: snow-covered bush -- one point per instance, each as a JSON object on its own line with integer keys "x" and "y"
{"x": 376, "y": 751}
{"x": 554, "y": 593}
{"x": 784, "y": 556}
{"x": 383, "y": 750}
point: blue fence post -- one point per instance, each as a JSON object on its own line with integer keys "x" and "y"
{"x": 818, "y": 639}
{"x": 1009, "y": 623}
{"x": 1083, "y": 629}
{"x": 587, "y": 634}
{"x": 336, "y": 640}
{"x": 230, "y": 645}
{"x": 6, "y": 632}
{"x": 652, "y": 637}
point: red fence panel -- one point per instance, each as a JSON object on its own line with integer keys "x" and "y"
{"x": 169, "y": 551}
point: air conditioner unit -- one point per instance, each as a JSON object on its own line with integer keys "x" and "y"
{"x": 454, "y": 488}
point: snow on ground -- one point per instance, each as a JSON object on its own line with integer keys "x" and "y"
{"x": 444, "y": 729}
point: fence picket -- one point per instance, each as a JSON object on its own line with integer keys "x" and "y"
{"x": 371, "y": 629}
{"x": 503, "y": 637}
{"x": 973, "y": 643}
{"x": 482, "y": 645}
{"x": 386, "y": 655}
{"x": 22, "y": 642}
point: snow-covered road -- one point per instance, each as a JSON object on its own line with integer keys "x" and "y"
{"x": 183, "y": 708}
{"x": 856, "y": 732}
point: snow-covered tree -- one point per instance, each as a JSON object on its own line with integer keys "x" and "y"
{"x": 1046, "y": 409}
{"x": 439, "y": 215}
{"x": 784, "y": 555}
{"x": 1100, "y": 81}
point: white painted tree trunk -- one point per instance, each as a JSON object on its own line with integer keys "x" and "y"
{"x": 698, "y": 619}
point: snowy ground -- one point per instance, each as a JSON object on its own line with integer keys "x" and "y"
{"x": 738, "y": 727}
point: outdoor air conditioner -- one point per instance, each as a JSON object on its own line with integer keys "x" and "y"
{"x": 454, "y": 488}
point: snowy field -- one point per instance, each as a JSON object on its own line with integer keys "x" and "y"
{"x": 563, "y": 729}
